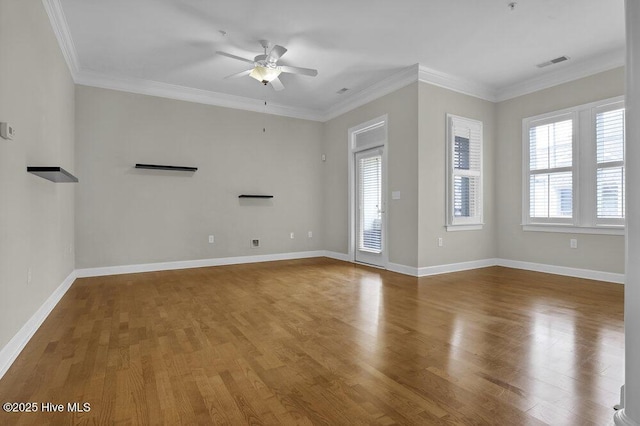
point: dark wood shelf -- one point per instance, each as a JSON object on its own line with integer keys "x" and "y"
{"x": 161, "y": 167}
{"x": 254, "y": 196}
{"x": 53, "y": 173}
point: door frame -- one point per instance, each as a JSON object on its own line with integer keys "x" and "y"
{"x": 382, "y": 120}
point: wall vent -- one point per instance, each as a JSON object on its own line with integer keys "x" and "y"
{"x": 553, "y": 61}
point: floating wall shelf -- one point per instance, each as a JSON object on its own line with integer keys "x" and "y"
{"x": 254, "y": 196}
{"x": 53, "y": 173}
{"x": 160, "y": 167}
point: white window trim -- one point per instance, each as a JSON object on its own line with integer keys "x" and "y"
{"x": 584, "y": 167}
{"x": 453, "y": 228}
{"x": 601, "y": 230}
{"x": 462, "y": 223}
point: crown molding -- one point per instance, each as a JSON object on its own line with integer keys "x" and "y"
{"x": 457, "y": 84}
{"x": 567, "y": 73}
{"x": 154, "y": 88}
{"x": 61, "y": 30}
{"x": 388, "y": 85}
{"x": 377, "y": 90}
{"x": 189, "y": 94}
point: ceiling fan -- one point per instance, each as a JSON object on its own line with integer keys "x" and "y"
{"x": 265, "y": 66}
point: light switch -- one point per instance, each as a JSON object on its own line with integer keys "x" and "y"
{"x": 395, "y": 195}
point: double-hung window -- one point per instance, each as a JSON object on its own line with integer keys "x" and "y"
{"x": 464, "y": 183}
{"x": 551, "y": 169}
{"x": 573, "y": 163}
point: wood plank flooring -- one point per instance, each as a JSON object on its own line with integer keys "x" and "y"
{"x": 319, "y": 341}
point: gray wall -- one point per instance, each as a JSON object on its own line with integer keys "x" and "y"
{"x": 458, "y": 246}
{"x": 417, "y": 168}
{"x": 130, "y": 216}
{"x": 36, "y": 216}
{"x": 596, "y": 252}
{"x": 126, "y": 216}
{"x": 121, "y": 215}
{"x": 402, "y": 215}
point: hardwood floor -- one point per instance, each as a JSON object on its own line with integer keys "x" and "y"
{"x": 319, "y": 341}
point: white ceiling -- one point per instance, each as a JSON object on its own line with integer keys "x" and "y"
{"x": 479, "y": 44}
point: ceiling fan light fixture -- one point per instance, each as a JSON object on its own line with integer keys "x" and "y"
{"x": 265, "y": 74}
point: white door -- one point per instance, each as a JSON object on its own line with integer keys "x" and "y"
{"x": 369, "y": 203}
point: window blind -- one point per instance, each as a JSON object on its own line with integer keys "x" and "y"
{"x": 551, "y": 170}
{"x": 370, "y": 201}
{"x": 610, "y": 164}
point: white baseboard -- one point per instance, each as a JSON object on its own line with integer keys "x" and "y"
{"x": 563, "y": 270}
{"x": 402, "y": 269}
{"x": 10, "y": 352}
{"x": 516, "y": 264}
{"x": 455, "y": 267}
{"x": 338, "y": 256}
{"x": 440, "y": 269}
{"x": 394, "y": 267}
{"x": 187, "y": 264}
{"x": 620, "y": 418}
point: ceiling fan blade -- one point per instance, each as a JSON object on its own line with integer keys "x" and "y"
{"x": 299, "y": 70}
{"x": 276, "y": 53}
{"x": 277, "y": 84}
{"x": 240, "y": 74}
{"x": 229, "y": 55}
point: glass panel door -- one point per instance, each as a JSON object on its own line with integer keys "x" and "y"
{"x": 369, "y": 207}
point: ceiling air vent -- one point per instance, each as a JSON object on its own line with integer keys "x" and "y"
{"x": 341, "y": 91}
{"x": 553, "y": 61}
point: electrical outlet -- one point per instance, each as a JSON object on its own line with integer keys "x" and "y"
{"x": 310, "y": 234}
{"x": 440, "y": 242}
{"x": 573, "y": 243}
{"x": 7, "y": 131}
{"x": 255, "y": 243}
{"x": 292, "y": 235}
{"x": 211, "y": 239}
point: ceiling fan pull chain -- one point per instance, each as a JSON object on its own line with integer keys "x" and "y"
{"x": 264, "y": 117}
